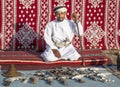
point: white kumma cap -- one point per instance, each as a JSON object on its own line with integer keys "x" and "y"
{"x": 60, "y": 8}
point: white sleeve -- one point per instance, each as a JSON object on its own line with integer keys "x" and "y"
{"x": 80, "y": 27}
{"x": 48, "y": 38}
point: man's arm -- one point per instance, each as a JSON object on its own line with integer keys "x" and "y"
{"x": 49, "y": 42}
{"x": 48, "y": 37}
{"x": 78, "y": 25}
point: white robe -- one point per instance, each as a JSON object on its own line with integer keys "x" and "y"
{"x": 57, "y": 32}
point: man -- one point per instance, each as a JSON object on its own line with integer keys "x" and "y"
{"x": 58, "y": 36}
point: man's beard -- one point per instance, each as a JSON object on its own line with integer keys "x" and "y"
{"x": 60, "y": 19}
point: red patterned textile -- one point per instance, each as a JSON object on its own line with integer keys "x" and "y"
{"x": 22, "y": 23}
{"x": 31, "y": 60}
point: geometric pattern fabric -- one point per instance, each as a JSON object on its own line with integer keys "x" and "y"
{"x": 22, "y": 23}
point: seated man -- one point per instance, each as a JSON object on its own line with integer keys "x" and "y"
{"x": 58, "y": 36}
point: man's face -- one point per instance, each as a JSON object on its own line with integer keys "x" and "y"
{"x": 60, "y": 15}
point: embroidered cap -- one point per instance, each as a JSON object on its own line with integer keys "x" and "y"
{"x": 60, "y": 8}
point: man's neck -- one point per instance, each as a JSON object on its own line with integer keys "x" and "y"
{"x": 60, "y": 20}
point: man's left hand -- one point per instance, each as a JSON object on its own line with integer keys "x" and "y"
{"x": 75, "y": 17}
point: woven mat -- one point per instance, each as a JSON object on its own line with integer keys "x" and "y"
{"x": 32, "y": 60}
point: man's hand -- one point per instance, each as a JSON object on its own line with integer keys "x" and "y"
{"x": 56, "y": 53}
{"x": 75, "y": 17}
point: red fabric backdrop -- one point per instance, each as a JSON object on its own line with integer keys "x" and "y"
{"x": 22, "y": 23}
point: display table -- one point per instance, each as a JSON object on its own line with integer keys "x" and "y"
{"x": 115, "y": 82}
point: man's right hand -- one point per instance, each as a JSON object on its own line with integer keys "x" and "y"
{"x": 56, "y": 53}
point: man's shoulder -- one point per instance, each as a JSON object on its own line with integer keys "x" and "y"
{"x": 68, "y": 20}
{"x": 51, "y": 22}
